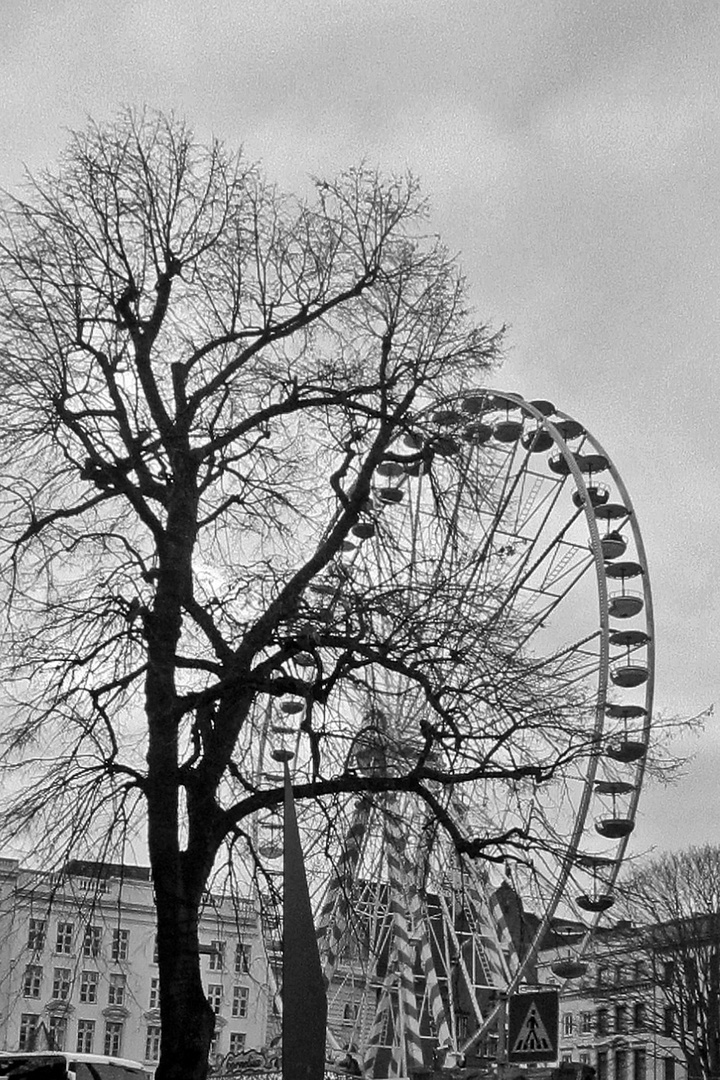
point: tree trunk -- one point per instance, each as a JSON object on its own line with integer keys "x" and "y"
{"x": 187, "y": 1019}
{"x": 188, "y": 1022}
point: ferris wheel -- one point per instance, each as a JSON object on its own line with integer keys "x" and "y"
{"x": 500, "y": 529}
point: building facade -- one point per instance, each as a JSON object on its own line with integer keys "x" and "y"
{"x": 78, "y": 972}
{"x": 612, "y": 1016}
{"x": 78, "y": 963}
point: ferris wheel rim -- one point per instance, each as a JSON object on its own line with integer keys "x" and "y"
{"x": 545, "y": 419}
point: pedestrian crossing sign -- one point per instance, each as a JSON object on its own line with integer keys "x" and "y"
{"x": 533, "y": 1026}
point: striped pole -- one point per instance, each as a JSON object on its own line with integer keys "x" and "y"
{"x": 405, "y": 959}
{"x": 421, "y": 922}
{"x": 384, "y": 1008}
{"x": 432, "y": 985}
{"x": 332, "y": 918}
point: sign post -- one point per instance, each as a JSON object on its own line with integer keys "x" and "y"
{"x": 533, "y": 1026}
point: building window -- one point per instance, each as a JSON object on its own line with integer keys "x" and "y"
{"x": 584, "y": 1059}
{"x": 350, "y": 1011}
{"x": 154, "y": 1000}
{"x": 621, "y": 1064}
{"x": 237, "y": 1041}
{"x": 57, "y": 1032}
{"x": 116, "y": 989}
{"x": 92, "y": 941}
{"x": 601, "y": 976}
{"x": 113, "y": 1038}
{"x": 217, "y": 956}
{"x": 620, "y": 1019}
{"x": 601, "y": 1022}
{"x": 120, "y": 942}
{"x": 639, "y": 1063}
{"x": 669, "y": 1068}
{"x": 668, "y": 972}
{"x": 586, "y": 1022}
{"x": 62, "y": 978}
{"x": 641, "y": 971}
{"x": 602, "y": 1065}
{"x": 88, "y": 987}
{"x": 567, "y": 1023}
{"x": 28, "y": 1029}
{"x": 63, "y": 943}
{"x": 241, "y": 995}
{"x": 668, "y": 1021}
{"x": 639, "y": 1015}
{"x": 242, "y": 958}
{"x": 36, "y": 935}
{"x": 152, "y": 1043}
{"x": 32, "y": 981}
{"x": 214, "y": 996}
{"x": 85, "y": 1037}
{"x": 619, "y": 974}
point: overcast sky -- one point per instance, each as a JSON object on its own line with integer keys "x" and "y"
{"x": 570, "y": 151}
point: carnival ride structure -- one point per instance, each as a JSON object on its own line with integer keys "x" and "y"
{"x": 521, "y": 506}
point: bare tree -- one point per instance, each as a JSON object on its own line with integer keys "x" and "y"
{"x": 200, "y": 382}
{"x": 673, "y": 904}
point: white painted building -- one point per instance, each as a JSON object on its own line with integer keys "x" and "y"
{"x": 612, "y": 1016}
{"x": 78, "y": 963}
